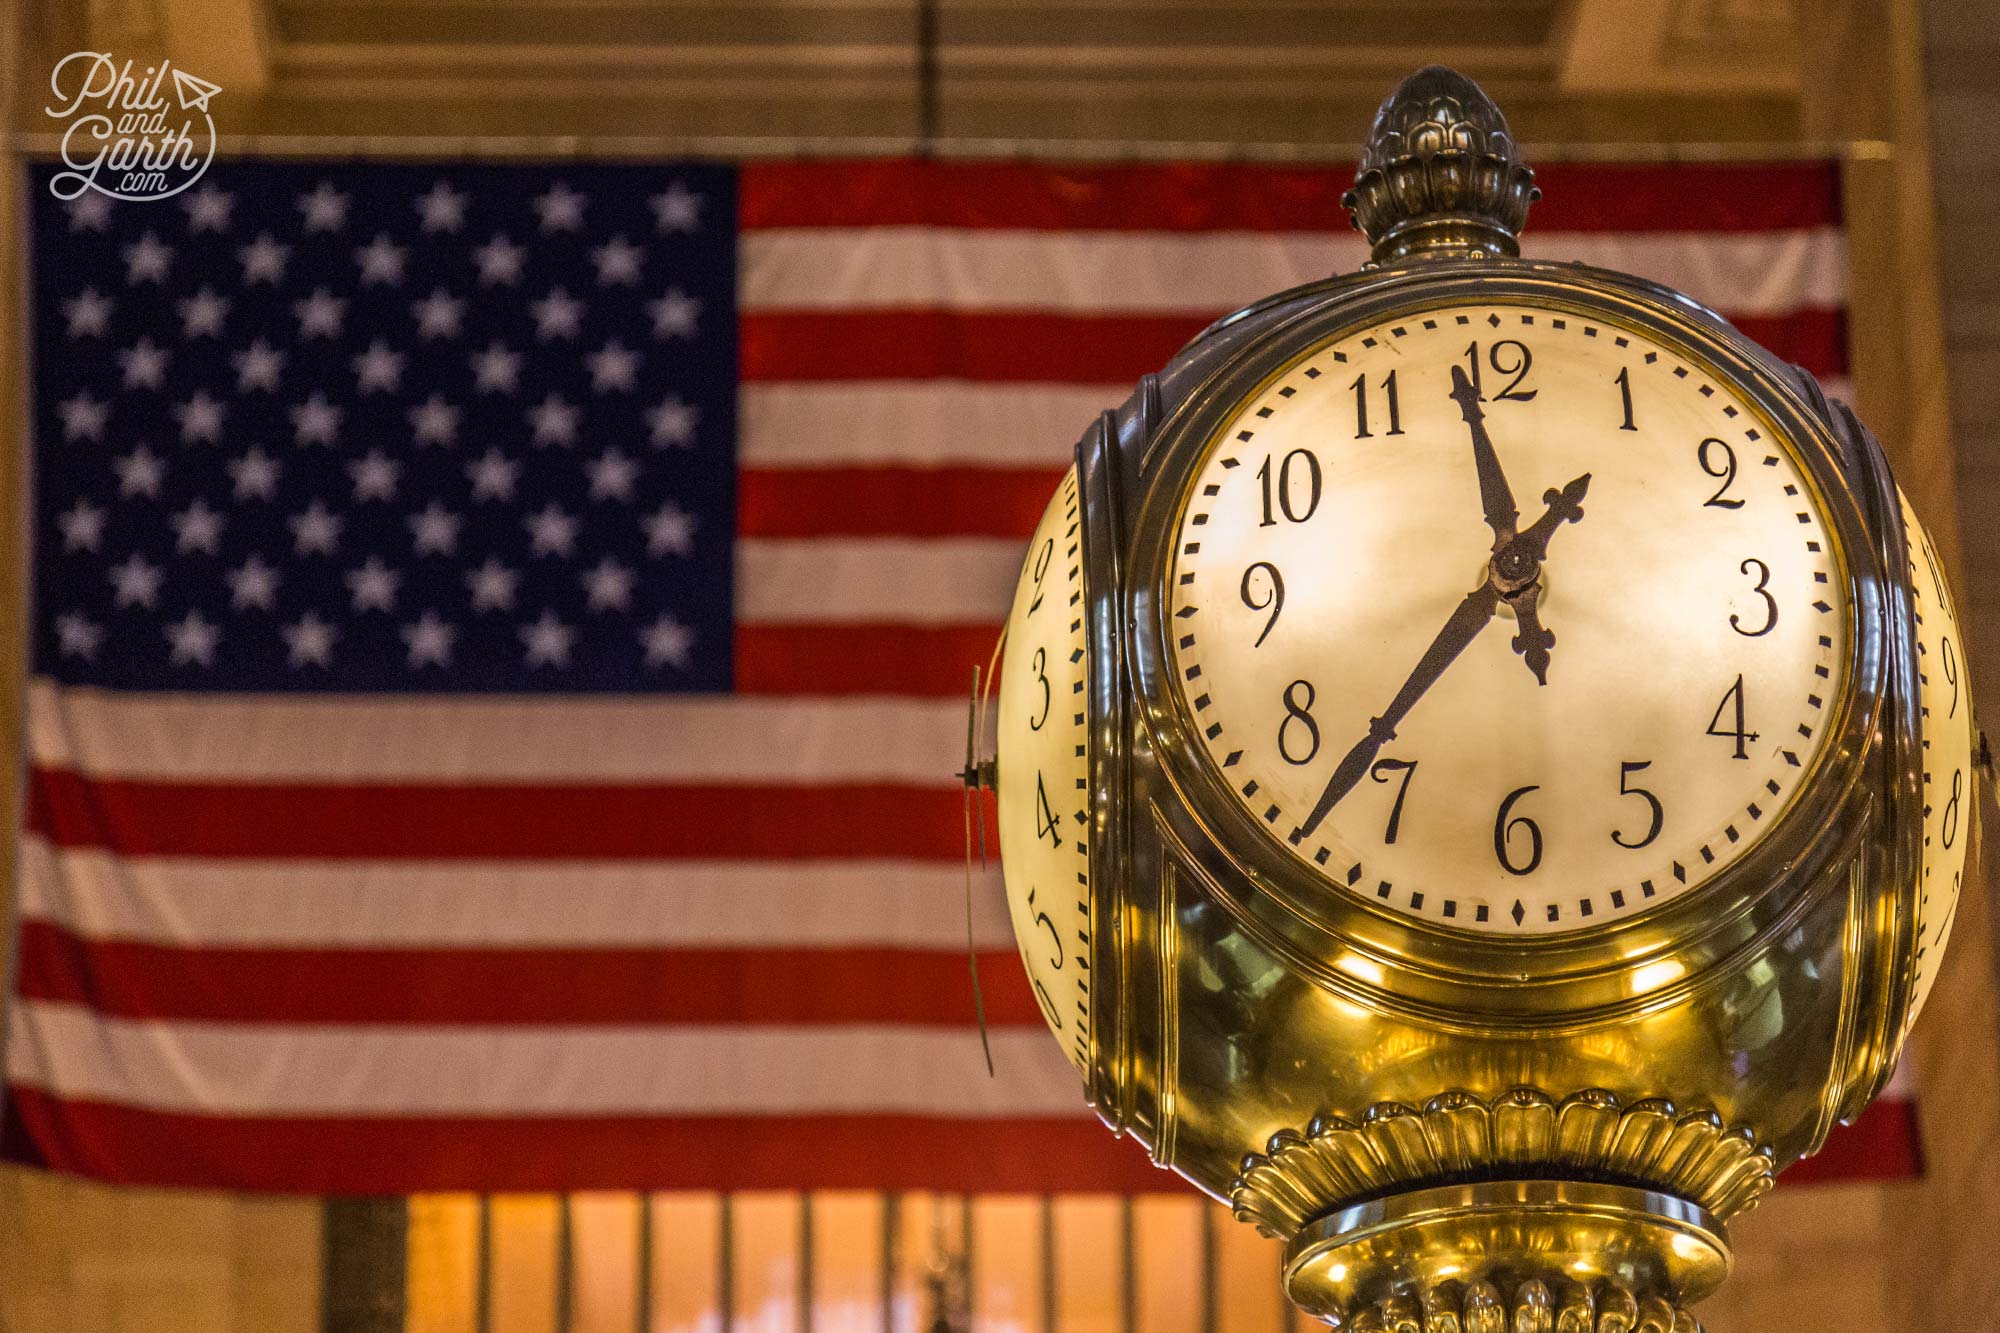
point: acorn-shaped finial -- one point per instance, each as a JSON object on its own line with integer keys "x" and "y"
{"x": 1441, "y": 173}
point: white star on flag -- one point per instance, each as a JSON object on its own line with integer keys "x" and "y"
{"x": 315, "y": 531}
{"x": 208, "y": 209}
{"x": 442, "y": 208}
{"x": 560, "y": 209}
{"x": 78, "y": 635}
{"x": 378, "y": 370}
{"x": 136, "y": 582}
{"x": 89, "y": 211}
{"x": 200, "y": 417}
{"x": 375, "y": 475}
{"x": 670, "y": 531}
{"x": 675, "y": 314}
{"x": 264, "y": 260}
{"x": 429, "y": 640}
{"x": 140, "y": 473}
{"x": 492, "y": 475}
{"x": 145, "y": 364}
{"x": 499, "y": 262}
{"x": 438, "y": 315}
{"x": 202, "y": 314}
{"x": 310, "y": 642}
{"x": 492, "y": 586}
{"x": 496, "y": 369}
{"x": 373, "y": 585}
{"x": 197, "y": 528}
{"x": 255, "y": 475}
{"x": 254, "y": 584}
{"x": 84, "y": 417}
{"x": 553, "y": 531}
{"x": 612, "y": 475}
{"x": 548, "y": 641}
{"x": 667, "y": 642}
{"x": 557, "y": 315}
{"x": 433, "y": 530}
{"x": 257, "y": 367}
{"x": 193, "y": 640}
{"x": 677, "y": 210}
{"x": 609, "y": 585}
{"x": 320, "y": 314}
{"x": 82, "y": 526}
{"x": 618, "y": 262}
{"x": 673, "y": 423}
{"x": 554, "y": 421}
{"x": 316, "y": 421}
{"x": 88, "y": 313}
{"x": 381, "y": 260}
{"x": 325, "y": 209}
{"x": 613, "y": 367}
{"x": 434, "y": 421}
{"x": 146, "y": 260}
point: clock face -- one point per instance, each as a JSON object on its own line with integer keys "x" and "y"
{"x": 1507, "y": 619}
{"x": 1043, "y": 795}
{"x": 1944, "y": 725}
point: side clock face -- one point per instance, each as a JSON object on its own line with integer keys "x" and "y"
{"x": 1044, "y": 773}
{"x": 1944, "y": 726}
{"x": 1507, "y": 618}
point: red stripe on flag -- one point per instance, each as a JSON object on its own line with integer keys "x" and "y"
{"x": 1186, "y": 197}
{"x": 580, "y": 823}
{"x": 509, "y": 985}
{"x": 1881, "y": 1144}
{"x": 379, "y": 1156}
{"x": 1004, "y": 347}
{"x": 926, "y": 661}
{"x": 1036, "y": 347}
{"x": 893, "y": 502}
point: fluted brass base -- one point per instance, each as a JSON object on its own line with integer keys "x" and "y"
{"x": 1537, "y": 1256}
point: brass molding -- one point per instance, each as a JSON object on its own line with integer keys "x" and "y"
{"x": 1522, "y": 1133}
{"x": 1522, "y": 1256}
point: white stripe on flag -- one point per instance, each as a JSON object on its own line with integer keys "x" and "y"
{"x": 236, "y": 903}
{"x": 496, "y": 738}
{"x": 259, "y": 1069}
{"x": 944, "y": 581}
{"x": 876, "y": 268}
{"x": 918, "y": 423}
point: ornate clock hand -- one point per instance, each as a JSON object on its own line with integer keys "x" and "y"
{"x": 1494, "y": 494}
{"x": 1523, "y": 553}
{"x": 1531, "y": 641}
{"x": 1458, "y": 632}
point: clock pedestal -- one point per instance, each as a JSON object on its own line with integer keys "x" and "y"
{"x": 1563, "y": 1255}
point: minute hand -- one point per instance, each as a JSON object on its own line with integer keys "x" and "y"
{"x": 1471, "y": 616}
{"x": 1494, "y": 495}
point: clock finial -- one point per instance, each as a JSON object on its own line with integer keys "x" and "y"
{"x": 1441, "y": 174}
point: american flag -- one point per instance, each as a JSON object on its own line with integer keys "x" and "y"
{"x": 500, "y": 635}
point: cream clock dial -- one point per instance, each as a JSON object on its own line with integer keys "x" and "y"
{"x": 1507, "y": 618}
{"x": 1944, "y": 726}
{"x": 1043, "y": 791}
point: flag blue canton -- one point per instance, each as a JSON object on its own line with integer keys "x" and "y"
{"x": 389, "y": 428}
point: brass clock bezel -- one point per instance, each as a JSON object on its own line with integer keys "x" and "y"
{"x": 1449, "y": 974}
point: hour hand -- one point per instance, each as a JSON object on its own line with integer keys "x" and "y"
{"x": 1494, "y": 496}
{"x": 1531, "y": 641}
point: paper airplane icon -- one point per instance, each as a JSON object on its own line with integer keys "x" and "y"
{"x": 193, "y": 92}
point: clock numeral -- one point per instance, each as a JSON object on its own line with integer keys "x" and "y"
{"x": 1042, "y": 558}
{"x": 1041, "y": 661}
{"x": 1624, "y": 382}
{"x": 1360, "y": 387}
{"x": 1515, "y": 364}
{"x": 1625, "y": 770}
{"x": 1770, "y": 602}
{"x": 1726, "y": 473}
{"x": 1299, "y": 713}
{"x": 1048, "y": 1006}
{"x": 1732, "y": 698}
{"x": 1948, "y": 657}
{"x": 1276, "y": 600}
{"x": 1380, "y": 772}
{"x": 1055, "y": 938}
{"x": 1045, "y": 819}
{"x": 1948, "y": 826}
{"x": 1503, "y": 835}
{"x": 1284, "y": 488}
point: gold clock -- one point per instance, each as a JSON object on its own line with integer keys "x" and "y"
{"x": 1485, "y": 765}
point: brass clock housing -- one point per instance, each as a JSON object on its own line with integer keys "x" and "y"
{"x": 1443, "y": 1123}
